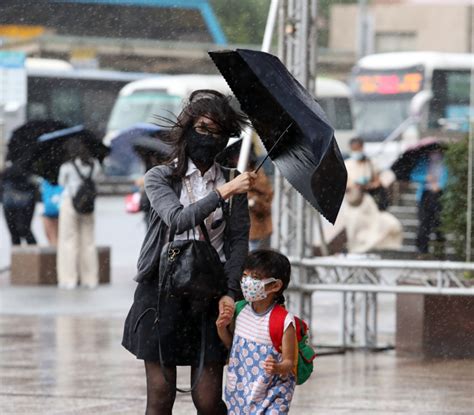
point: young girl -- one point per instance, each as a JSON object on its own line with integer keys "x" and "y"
{"x": 260, "y": 379}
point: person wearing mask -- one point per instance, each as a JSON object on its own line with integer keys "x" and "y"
{"x": 260, "y": 197}
{"x": 77, "y": 260}
{"x": 191, "y": 189}
{"x": 362, "y": 174}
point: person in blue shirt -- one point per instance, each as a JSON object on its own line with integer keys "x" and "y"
{"x": 431, "y": 175}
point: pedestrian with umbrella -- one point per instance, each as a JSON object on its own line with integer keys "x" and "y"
{"x": 424, "y": 165}
{"x": 19, "y": 186}
{"x": 181, "y": 293}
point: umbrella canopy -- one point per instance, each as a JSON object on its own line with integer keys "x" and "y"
{"x": 22, "y": 144}
{"x": 51, "y": 151}
{"x": 125, "y": 159}
{"x": 404, "y": 165}
{"x": 152, "y": 145}
{"x": 291, "y": 124}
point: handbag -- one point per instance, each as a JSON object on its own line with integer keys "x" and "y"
{"x": 191, "y": 268}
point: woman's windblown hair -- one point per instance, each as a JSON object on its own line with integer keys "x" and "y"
{"x": 204, "y": 102}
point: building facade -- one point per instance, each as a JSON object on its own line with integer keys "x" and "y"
{"x": 404, "y": 26}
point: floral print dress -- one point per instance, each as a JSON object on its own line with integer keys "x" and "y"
{"x": 249, "y": 389}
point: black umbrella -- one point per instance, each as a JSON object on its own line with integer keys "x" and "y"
{"x": 23, "y": 145}
{"x": 291, "y": 124}
{"x": 51, "y": 150}
{"x": 404, "y": 165}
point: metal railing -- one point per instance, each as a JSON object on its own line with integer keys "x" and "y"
{"x": 360, "y": 280}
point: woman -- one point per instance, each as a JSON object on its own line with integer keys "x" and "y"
{"x": 191, "y": 190}
{"x": 77, "y": 259}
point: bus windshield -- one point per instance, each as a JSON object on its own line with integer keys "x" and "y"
{"x": 143, "y": 106}
{"x": 382, "y": 99}
{"x": 377, "y": 118}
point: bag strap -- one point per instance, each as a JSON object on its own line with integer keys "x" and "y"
{"x": 239, "y": 306}
{"x": 202, "y": 354}
{"x": 192, "y": 199}
{"x": 83, "y": 178}
{"x": 276, "y": 325}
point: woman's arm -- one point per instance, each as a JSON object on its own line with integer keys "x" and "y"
{"x": 166, "y": 203}
{"x": 287, "y": 364}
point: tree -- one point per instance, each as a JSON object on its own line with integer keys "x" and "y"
{"x": 454, "y": 199}
{"x": 243, "y": 21}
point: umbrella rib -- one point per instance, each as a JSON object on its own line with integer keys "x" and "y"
{"x": 273, "y": 147}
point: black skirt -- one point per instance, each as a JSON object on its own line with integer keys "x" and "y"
{"x": 179, "y": 326}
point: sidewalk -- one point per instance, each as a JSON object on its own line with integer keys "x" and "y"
{"x": 61, "y": 355}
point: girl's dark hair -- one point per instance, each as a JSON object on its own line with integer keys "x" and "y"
{"x": 211, "y": 104}
{"x": 271, "y": 264}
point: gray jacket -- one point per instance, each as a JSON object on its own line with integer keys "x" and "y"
{"x": 164, "y": 194}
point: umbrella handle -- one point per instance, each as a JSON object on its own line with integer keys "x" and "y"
{"x": 273, "y": 147}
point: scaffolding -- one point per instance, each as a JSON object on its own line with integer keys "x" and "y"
{"x": 294, "y": 218}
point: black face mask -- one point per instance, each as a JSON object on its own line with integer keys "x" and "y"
{"x": 203, "y": 148}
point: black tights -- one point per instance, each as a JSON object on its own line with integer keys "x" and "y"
{"x": 207, "y": 396}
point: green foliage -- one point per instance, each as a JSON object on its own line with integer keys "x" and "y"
{"x": 454, "y": 199}
{"x": 243, "y": 21}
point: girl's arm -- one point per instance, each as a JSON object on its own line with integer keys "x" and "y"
{"x": 288, "y": 346}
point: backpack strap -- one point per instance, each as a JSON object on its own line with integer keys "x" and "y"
{"x": 276, "y": 325}
{"x": 83, "y": 178}
{"x": 239, "y": 306}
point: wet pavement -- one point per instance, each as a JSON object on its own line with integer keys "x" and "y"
{"x": 60, "y": 351}
{"x": 74, "y": 365}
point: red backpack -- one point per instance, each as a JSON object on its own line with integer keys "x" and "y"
{"x": 306, "y": 354}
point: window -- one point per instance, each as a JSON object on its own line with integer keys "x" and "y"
{"x": 395, "y": 41}
{"x": 450, "y": 101}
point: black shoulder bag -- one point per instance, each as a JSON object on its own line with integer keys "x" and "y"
{"x": 191, "y": 268}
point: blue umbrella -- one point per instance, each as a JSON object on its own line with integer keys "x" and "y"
{"x": 124, "y": 159}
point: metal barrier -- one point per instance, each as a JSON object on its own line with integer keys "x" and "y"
{"x": 366, "y": 277}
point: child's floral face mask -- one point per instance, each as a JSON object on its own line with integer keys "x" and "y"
{"x": 253, "y": 289}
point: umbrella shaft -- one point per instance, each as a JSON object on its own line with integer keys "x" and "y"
{"x": 273, "y": 147}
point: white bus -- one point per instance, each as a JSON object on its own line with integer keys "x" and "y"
{"x": 75, "y": 96}
{"x": 144, "y": 100}
{"x": 417, "y": 92}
